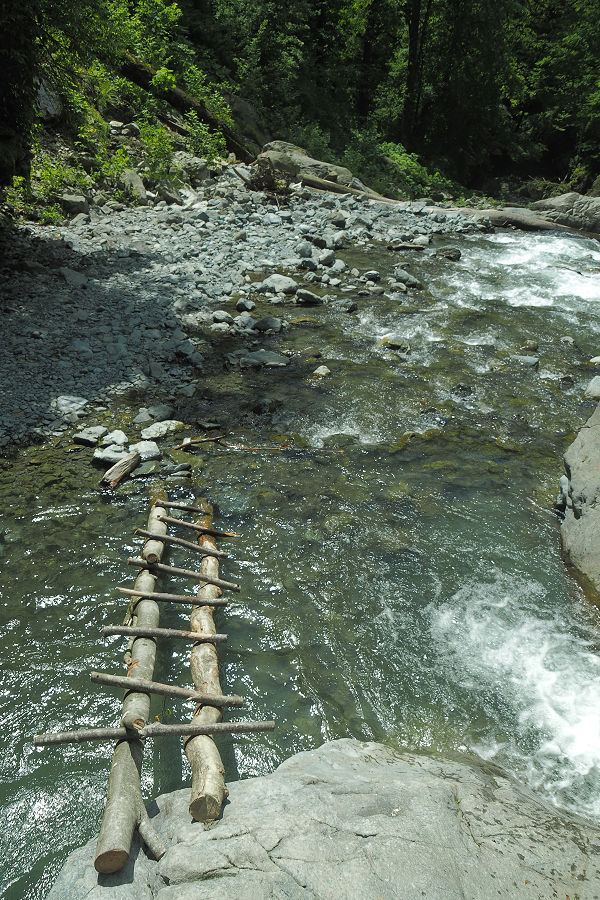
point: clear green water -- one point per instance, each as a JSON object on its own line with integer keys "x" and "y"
{"x": 408, "y": 589}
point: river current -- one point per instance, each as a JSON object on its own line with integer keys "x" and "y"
{"x": 401, "y": 573}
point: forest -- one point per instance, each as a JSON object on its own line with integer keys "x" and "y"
{"x": 467, "y": 92}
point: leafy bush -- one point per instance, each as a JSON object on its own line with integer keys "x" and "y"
{"x": 158, "y": 150}
{"x": 197, "y": 85}
{"x": 202, "y": 141}
{"x": 415, "y": 176}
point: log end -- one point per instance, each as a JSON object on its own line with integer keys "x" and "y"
{"x": 206, "y": 808}
{"x": 111, "y": 860}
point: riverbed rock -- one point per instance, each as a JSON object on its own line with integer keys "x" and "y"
{"x": 89, "y": 437}
{"x": 358, "y": 821}
{"x": 108, "y": 456}
{"x": 580, "y": 531}
{"x": 148, "y": 450}
{"x": 279, "y": 284}
{"x": 159, "y": 429}
{"x": 307, "y": 298}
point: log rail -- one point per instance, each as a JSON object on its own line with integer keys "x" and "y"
{"x": 125, "y": 810}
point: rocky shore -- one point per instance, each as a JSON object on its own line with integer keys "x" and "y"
{"x": 358, "y": 820}
{"x": 139, "y": 300}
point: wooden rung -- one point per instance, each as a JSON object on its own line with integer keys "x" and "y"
{"x": 109, "y": 630}
{"x": 184, "y": 507}
{"x": 167, "y": 690}
{"x": 184, "y": 573}
{"x": 201, "y": 528}
{"x": 181, "y": 542}
{"x": 174, "y": 598}
{"x": 155, "y": 730}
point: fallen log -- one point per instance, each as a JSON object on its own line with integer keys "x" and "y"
{"x": 142, "y": 74}
{"x": 116, "y": 473}
{"x": 179, "y": 542}
{"x": 184, "y": 573}
{"x": 110, "y": 630}
{"x": 209, "y": 791}
{"x": 168, "y": 598}
{"x": 335, "y": 187}
{"x": 156, "y": 730}
{"x": 125, "y": 808}
{"x": 166, "y": 690}
{"x": 201, "y": 528}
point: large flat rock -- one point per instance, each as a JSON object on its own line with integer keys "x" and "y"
{"x": 359, "y": 820}
{"x": 572, "y": 209}
{"x": 580, "y": 531}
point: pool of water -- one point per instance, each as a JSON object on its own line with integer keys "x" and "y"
{"x": 400, "y": 565}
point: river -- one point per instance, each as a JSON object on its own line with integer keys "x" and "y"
{"x": 400, "y": 565}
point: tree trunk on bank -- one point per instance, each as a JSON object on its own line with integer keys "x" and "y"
{"x": 141, "y": 73}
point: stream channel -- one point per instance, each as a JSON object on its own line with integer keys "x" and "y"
{"x": 400, "y": 567}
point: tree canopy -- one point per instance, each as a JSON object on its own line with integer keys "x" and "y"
{"x": 476, "y": 87}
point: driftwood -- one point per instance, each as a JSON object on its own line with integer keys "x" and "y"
{"x": 156, "y": 730}
{"x": 141, "y": 73}
{"x": 125, "y": 808}
{"x": 166, "y": 690}
{"x": 116, "y": 473}
{"x": 336, "y": 188}
{"x": 191, "y": 442}
{"x": 179, "y": 542}
{"x": 209, "y": 791}
{"x": 170, "y": 520}
{"x": 167, "y": 598}
{"x": 184, "y": 573}
{"x": 130, "y": 631}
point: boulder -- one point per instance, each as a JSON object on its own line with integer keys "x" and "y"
{"x": 580, "y": 531}
{"x": 192, "y": 168}
{"x": 572, "y": 209}
{"x": 74, "y": 204}
{"x": 134, "y": 184}
{"x": 295, "y": 161}
{"x": 357, "y": 821}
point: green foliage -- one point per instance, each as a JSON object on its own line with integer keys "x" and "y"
{"x": 150, "y": 30}
{"x": 202, "y": 141}
{"x": 164, "y": 79}
{"x": 197, "y": 85}
{"x": 414, "y": 175}
{"x": 157, "y": 145}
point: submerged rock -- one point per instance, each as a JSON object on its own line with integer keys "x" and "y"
{"x": 358, "y": 821}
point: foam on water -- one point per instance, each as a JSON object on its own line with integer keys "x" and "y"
{"x": 541, "y": 672}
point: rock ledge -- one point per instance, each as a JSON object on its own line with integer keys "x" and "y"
{"x": 359, "y": 820}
